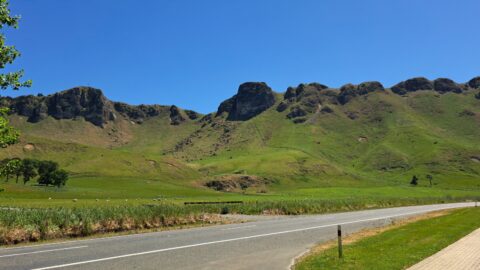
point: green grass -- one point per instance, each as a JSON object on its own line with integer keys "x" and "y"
{"x": 319, "y": 160}
{"x": 401, "y": 247}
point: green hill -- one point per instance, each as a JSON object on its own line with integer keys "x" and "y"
{"x": 311, "y": 141}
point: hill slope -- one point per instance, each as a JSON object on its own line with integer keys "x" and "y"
{"x": 308, "y": 137}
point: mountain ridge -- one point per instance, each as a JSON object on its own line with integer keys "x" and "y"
{"x": 309, "y": 136}
{"x": 252, "y": 98}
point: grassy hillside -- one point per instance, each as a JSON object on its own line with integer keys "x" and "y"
{"x": 369, "y": 146}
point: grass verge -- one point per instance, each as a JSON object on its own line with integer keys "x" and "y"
{"x": 398, "y": 247}
{"x": 21, "y": 224}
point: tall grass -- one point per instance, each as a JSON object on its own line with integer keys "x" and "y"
{"x": 34, "y": 224}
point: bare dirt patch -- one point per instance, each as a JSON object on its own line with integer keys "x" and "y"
{"x": 237, "y": 182}
{"x": 362, "y": 139}
{"x": 29, "y": 147}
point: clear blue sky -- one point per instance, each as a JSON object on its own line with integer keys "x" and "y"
{"x": 195, "y": 53}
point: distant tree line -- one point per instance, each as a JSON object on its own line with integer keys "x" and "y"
{"x": 46, "y": 172}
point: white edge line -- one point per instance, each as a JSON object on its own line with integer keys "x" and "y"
{"x": 41, "y": 251}
{"x": 229, "y": 240}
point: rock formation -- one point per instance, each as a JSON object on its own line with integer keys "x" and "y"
{"x": 252, "y": 99}
{"x": 89, "y": 103}
{"x": 349, "y": 91}
{"x": 474, "y": 83}
{"x": 412, "y": 85}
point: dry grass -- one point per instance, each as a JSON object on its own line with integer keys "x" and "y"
{"x": 18, "y": 235}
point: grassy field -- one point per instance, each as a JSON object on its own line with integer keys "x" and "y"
{"x": 133, "y": 191}
{"x": 332, "y": 162}
{"x": 400, "y": 247}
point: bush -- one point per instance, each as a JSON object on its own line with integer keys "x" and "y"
{"x": 414, "y": 181}
{"x": 225, "y": 210}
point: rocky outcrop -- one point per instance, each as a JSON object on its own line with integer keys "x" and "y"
{"x": 444, "y": 85}
{"x": 349, "y": 91}
{"x": 368, "y": 87}
{"x": 176, "y": 117}
{"x": 441, "y": 85}
{"x": 252, "y": 99}
{"x": 139, "y": 113}
{"x": 34, "y": 107}
{"x": 305, "y": 99}
{"x": 474, "y": 83}
{"x": 226, "y": 106}
{"x": 412, "y": 85}
{"x": 192, "y": 115}
{"x": 296, "y": 111}
{"x": 88, "y": 103}
{"x": 303, "y": 90}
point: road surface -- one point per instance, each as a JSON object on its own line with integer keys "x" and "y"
{"x": 263, "y": 244}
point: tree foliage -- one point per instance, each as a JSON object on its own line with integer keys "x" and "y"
{"x": 59, "y": 178}
{"x": 46, "y": 168}
{"x": 48, "y": 171}
{"x": 10, "y": 167}
{"x": 13, "y": 80}
{"x": 29, "y": 169}
{"x": 8, "y": 54}
{"x": 8, "y": 135}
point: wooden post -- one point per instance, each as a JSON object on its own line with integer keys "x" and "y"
{"x": 340, "y": 248}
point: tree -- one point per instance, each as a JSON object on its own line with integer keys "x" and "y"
{"x": 8, "y": 54}
{"x": 46, "y": 168}
{"x": 59, "y": 178}
{"x": 8, "y": 135}
{"x": 414, "y": 181}
{"x": 9, "y": 167}
{"x": 430, "y": 178}
{"x": 29, "y": 169}
{"x": 5, "y": 169}
{"x": 16, "y": 167}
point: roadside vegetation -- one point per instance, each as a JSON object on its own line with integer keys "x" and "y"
{"x": 400, "y": 247}
{"x": 24, "y": 224}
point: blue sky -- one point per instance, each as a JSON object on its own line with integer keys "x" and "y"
{"x": 195, "y": 53}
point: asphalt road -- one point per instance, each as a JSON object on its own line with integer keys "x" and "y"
{"x": 263, "y": 244}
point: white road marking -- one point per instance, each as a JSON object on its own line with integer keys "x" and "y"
{"x": 237, "y": 228}
{"x": 231, "y": 240}
{"x": 41, "y": 251}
